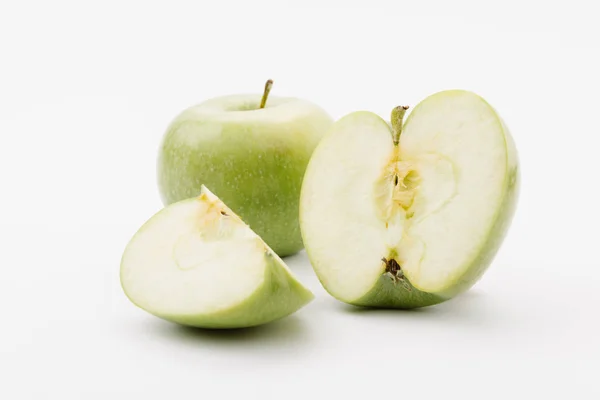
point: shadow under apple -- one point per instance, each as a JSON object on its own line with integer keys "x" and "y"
{"x": 473, "y": 307}
{"x": 287, "y": 331}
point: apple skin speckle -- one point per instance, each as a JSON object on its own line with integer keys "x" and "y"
{"x": 254, "y": 160}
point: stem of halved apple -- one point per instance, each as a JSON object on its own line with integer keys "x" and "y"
{"x": 397, "y": 119}
{"x": 268, "y": 87}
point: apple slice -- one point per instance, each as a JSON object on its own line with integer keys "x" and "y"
{"x": 196, "y": 263}
{"x": 409, "y": 216}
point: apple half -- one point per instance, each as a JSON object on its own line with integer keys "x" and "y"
{"x": 197, "y": 263}
{"x": 409, "y": 215}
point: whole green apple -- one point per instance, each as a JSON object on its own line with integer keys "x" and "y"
{"x": 252, "y": 153}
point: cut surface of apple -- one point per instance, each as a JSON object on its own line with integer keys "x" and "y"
{"x": 412, "y": 214}
{"x": 197, "y": 263}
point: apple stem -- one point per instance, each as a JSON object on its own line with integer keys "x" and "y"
{"x": 268, "y": 87}
{"x": 397, "y": 118}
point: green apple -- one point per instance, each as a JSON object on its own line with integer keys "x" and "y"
{"x": 409, "y": 215}
{"x": 251, "y": 152}
{"x": 196, "y": 263}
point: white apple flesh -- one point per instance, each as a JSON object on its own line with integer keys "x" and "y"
{"x": 196, "y": 263}
{"x": 409, "y": 215}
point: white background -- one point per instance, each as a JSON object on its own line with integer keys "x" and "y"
{"x": 86, "y": 91}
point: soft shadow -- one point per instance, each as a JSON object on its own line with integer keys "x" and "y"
{"x": 470, "y": 307}
{"x": 289, "y": 330}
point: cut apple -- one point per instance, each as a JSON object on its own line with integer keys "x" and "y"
{"x": 412, "y": 214}
{"x": 197, "y": 263}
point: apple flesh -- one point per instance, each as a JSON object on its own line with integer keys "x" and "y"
{"x": 412, "y": 214}
{"x": 253, "y": 157}
{"x": 196, "y": 263}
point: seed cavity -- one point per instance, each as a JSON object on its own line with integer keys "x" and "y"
{"x": 406, "y": 183}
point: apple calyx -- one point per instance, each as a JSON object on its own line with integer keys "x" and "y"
{"x": 394, "y": 271}
{"x": 268, "y": 86}
{"x": 396, "y": 119}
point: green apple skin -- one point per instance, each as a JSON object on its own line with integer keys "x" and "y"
{"x": 253, "y": 159}
{"x": 279, "y": 296}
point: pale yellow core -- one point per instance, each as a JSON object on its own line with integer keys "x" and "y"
{"x": 213, "y": 226}
{"x": 430, "y": 179}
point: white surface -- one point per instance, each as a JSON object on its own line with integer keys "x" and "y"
{"x": 86, "y": 92}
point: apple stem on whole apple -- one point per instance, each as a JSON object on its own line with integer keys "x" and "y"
{"x": 397, "y": 118}
{"x": 268, "y": 87}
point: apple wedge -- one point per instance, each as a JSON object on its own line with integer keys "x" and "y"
{"x": 197, "y": 263}
{"x": 409, "y": 215}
